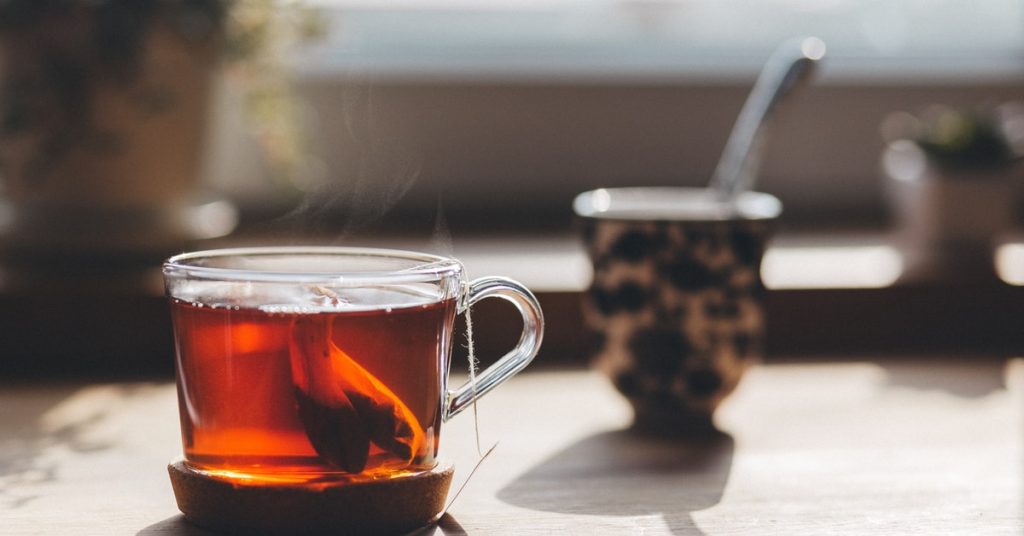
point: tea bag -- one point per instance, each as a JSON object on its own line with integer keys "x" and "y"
{"x": 342, "y": 405}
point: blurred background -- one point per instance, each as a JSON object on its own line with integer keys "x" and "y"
{"x": 466, "y": 128}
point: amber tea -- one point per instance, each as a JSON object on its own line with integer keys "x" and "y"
{"x": 324, "y": 364}
{"x": 328, "y": 391}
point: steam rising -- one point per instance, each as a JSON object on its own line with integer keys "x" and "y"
{"x": 380, "y": 170}
{"x": 441, "y": 239}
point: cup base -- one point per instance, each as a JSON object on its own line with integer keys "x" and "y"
{"x": 393, "y": 505}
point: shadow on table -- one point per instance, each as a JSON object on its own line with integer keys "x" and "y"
{"x": 446, "y": 526}
{"x": 25, "y": 439}
{"x": 175, "y": 526}
{"x": 619, "y": 473}
{"x": 179, "y": 526}
{"x": 965, "y": 376}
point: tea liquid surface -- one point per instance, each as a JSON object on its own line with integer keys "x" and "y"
{"x": 348, "y": 393}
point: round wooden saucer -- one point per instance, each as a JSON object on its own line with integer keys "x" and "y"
{"x": 394, "y": 505}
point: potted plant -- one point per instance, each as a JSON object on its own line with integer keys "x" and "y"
{"x": 951, "y": 178}
{"x": 103, "y": 114}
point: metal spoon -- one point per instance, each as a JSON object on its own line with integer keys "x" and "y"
{"x": 792, "y": 63}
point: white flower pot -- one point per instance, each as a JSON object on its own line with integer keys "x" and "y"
{"x": 947, "y": 222}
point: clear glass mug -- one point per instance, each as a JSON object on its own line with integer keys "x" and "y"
{"x": 305, "y": 364}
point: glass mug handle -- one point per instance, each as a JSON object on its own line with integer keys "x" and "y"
{"x": 512, "y": 362}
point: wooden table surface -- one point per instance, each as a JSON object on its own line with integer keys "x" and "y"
{"x": 859, "y": 447}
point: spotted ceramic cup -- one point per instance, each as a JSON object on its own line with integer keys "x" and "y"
{"x": 675, "y": 306}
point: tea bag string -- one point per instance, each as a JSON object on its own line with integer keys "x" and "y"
{"x": 473, "y": 364}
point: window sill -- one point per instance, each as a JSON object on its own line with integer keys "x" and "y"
{"x": 124, "y": 334}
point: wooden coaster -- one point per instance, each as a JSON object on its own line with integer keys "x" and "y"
{"x": 374, "y": 507}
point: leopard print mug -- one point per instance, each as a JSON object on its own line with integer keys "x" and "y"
{"x": 675, "y": 306}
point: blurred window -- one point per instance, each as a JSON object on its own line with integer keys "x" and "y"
{"x": 868, "y": 39}
{"x": 505, "y": 104}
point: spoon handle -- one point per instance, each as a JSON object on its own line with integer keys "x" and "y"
{"x": 789, "y": 66}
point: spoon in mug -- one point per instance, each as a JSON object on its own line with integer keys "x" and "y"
{"x": 789, "y": 66}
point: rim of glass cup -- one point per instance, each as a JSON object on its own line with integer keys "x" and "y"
{"x": 426, "y": 267}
